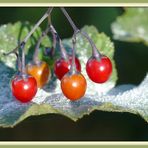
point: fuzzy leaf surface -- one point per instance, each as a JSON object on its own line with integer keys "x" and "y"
{"x": 132, "y": 26}
{"x": 106, "y": 97}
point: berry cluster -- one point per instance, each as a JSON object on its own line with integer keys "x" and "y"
{"x": 67, "y": 68}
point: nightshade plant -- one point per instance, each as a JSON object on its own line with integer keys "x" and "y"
{"x": 50, "y": 99}
{"x": 67, "y": 68}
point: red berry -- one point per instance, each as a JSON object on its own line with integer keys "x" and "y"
{"x": 99, "y": 71}
{"x": 73, "y": 86}
{"x": 62, "y": 66}
{"x": 24, "y": 89}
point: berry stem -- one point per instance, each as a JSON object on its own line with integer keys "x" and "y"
{"x": 53, "y": 34}
{"x": 73, "y": 68}
{"x": 32, "y": 31}
{"x": 13, "y": 51}
{"x": 38, "y": 23}
{"x": 23, "y": 68}
{"x": 54, "y": 38}
{"x": 63, "y": 51}
{"x": 69, "y": 19}
{"x": 95, "y": 52}
{"x": 19, "y": 64}
{"x": 37, "y": 48}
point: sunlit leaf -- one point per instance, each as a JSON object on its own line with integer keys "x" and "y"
{"x": 132, "y": 25}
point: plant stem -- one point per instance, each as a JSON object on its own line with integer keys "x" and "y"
{"x": 95, "y": 51}
{"x": 18, "y": 60}
{"x": 19, "y": 64}
{"x": 63, "y": 51}
{"x": 53, "y": 36}
{"x": 69, "y": 19}
{"x": 54, "y": 40}
{"x": 37, "y": 48}
{"x": 73, "y": 68}
{"x": 13, "y": 51}
{"x": 23, "y": 70}
{"x": 32, "y": 31}
{"x": 38, "y": 23}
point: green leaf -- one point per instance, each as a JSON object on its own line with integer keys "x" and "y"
{"x": 132, "y": 26}
{"x": 12, "y": 34}
{"x": 124, "y": 98}
{"x": 106, "y": 97}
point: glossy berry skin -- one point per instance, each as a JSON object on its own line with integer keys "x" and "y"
{"x": 100, "y": 70}
{"x": 73, "y": 86}
{"x": 40, "y": 72}
{"x": 62, "y": 66}
{"x": 23, "y": 89}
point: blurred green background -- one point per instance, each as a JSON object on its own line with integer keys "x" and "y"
{"x": 98, "y": 125}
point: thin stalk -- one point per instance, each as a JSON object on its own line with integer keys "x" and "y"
{"x": 73, "y": 68}
{"x": 69, "y": 19}
{"x": 13, "y": 51}
{"x": 49, "y": 20}
{"x": 53, "y": 36}
{"x": 37, "y": 48}
{"x": 19, "y": 64}
{"x": 63, "y": 51}
{"x": 32, "y": 31}
{"x": 95, "y": 52}
{"x": 23, "y": 70}
{"x": 38, "y": 23}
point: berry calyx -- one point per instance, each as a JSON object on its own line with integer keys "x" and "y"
{"x": 40, "y": 72}
{"x": 99, "y": 70}
{"x": 62, "y": 66}
{"x": 73, "y": 86}
{"x": 23, "y": 88}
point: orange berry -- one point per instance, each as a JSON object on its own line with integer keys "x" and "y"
{"x": 40, "y": 72}
{"x": 73, "y": 86}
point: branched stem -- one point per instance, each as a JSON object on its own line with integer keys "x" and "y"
{"x": 32, "y": 31}
{"x": 38, "y": 23}
{"x": 95, "y": 52}
{"x": 50, "y": 27}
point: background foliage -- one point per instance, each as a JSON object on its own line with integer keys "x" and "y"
{"x": 99, "y": 125}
